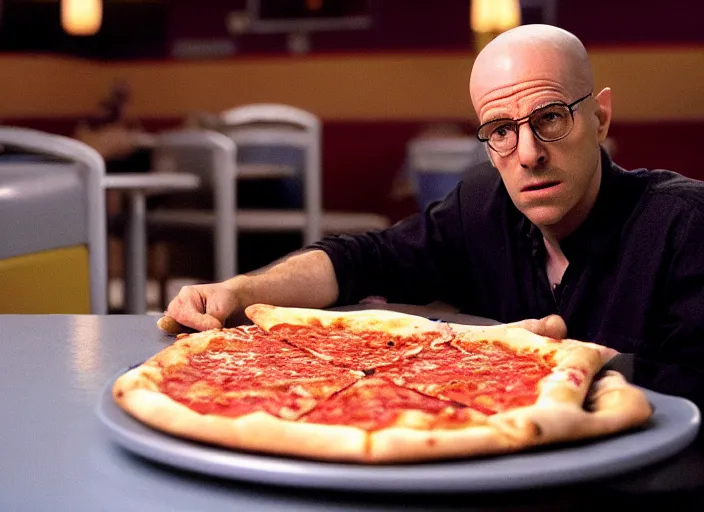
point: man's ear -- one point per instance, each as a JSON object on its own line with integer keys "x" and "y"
{"x": 603, "y": 113}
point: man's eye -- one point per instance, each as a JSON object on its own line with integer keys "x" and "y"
{"x": 501, "y": 131}
{"x": 551, "y": 116}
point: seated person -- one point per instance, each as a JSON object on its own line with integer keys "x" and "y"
{"x": 550, "y": 226}
{"x": 124, "y": 145}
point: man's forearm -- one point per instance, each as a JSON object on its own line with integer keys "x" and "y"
{"x": 302, "y": 279}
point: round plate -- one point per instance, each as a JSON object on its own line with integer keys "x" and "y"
{"x": 673, "y": 426}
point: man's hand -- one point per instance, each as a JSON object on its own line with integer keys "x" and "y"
{"x": 205, "y": 306}
{"x": 554, "y": 326}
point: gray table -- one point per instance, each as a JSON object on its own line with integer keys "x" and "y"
{"x": 56, "y": 455}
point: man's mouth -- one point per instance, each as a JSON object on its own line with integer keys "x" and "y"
{"x": 539, "y": 186}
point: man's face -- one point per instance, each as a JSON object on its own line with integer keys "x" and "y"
{"x": 553, "y": 183}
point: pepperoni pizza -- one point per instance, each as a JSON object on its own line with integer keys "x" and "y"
{"x": 378, "y": 386}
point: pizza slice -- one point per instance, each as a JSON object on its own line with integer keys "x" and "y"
{"x": 204, "y": 383}
{"x": 399, "y": 424}
{"x": 510, "y": 361}
{"x": 534, "y": 388}
{"x": 362, "y": 340}
{"x": 489, "y": 380}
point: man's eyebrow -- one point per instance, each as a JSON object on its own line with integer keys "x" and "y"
{"x": 547, "y": 104}
{"x": 497, "y": 118}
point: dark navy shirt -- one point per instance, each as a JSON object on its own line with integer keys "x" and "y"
{"x": 635, "y": 280}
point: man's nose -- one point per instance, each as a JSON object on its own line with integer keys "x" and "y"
{"x": 531, "y": 151}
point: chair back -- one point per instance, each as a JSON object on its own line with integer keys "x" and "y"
{"x": 211, "y": 156}
{"x": 53, "y": 224}
{"x": 281, "y": 143}
{"x": 436, "y": 165}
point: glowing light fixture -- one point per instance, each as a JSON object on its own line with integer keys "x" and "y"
{"x": 495, "y": 15}
{"x": 81, "y": 17}
{"x": 488, "y": 18}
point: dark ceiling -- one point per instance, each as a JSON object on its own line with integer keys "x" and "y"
{"x": 153, "y": 29}
{"x": 130, "y": 28}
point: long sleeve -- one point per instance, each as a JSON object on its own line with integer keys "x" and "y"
{"x": 674, "y": 363}
{"x": 414, "y": 261}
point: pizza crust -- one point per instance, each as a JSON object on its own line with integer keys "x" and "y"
{"x": 391, "y": 322}
{"x": 258, "y": 431}
{"x": 615, "y": 406}
{"x": 409, "y": 445}
{"x": 517, "y": 338}
{"x": 262, "y": 432}
{"x": 576, "y": 363}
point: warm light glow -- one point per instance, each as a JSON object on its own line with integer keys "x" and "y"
{"x": 314, "y": 5}
{"x": 495, "y": 16}
{"x": 81, "y": 17}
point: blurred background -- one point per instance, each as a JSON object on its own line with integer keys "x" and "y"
{"x": 378, "y": 73}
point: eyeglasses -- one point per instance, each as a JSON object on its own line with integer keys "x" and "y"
{"x": 549, "y": 123}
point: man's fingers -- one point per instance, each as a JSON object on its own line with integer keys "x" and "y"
{"x": 220, "y": 306}
{"x": 195, "y": 320}
{"x": 187, "y": 309}
{"x": 206, "y": 322}
{"x": 552, "y": 326}
{"x": 169, "y": 325}
{"x": 202, "y": 307}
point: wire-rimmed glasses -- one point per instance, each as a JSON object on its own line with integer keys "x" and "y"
{"x": 548, "y": 123}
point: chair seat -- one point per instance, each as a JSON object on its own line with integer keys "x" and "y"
{"x": 270, "y": 220}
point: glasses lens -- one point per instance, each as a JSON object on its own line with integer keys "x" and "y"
{"x": 552, "y": 122}
{"x": 501, "y": 135}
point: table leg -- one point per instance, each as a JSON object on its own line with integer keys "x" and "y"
{"x": 136, "y": 255}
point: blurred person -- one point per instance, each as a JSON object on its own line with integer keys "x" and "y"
{"x": 550, "y": 232}
{"x": 123, "y": 143}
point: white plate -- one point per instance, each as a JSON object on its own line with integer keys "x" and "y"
{"x": 673, "y": 426}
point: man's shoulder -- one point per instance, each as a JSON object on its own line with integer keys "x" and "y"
{"x": 482, "y": 199}
{"x": 481, "y": 177}
{"x": 672, "y": 186}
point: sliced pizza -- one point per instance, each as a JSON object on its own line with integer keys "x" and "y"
{"x": 362, "y": 340}
{"x": 378, "y": 387}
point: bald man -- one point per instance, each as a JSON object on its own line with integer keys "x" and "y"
{"x": 551, "y": 226}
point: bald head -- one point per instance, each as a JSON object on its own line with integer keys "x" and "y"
{"x": 530, "y": 53}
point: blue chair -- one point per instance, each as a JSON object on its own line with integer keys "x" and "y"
{"x": 435, "y": 166}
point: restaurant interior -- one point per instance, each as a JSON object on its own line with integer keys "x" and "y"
{"x": 371, "y": 93}
{"x": 150, "y": 144}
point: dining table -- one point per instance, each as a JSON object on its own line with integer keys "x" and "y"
{"x": 66, "y": 446}
{"x": 137, "y": 186}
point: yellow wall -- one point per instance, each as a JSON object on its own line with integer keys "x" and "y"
{"x": 41, "y": 85}
{"x": 648, "y": 84}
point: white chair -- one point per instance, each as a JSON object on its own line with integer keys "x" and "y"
{"x": 278, "y": 143}
{"x": 284, "y": 143}
{"x": 436, "y": 165}
{"x": 52, "y": 222}
{"x": 211, "y": 156}
{"x": 281, "y": 143}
